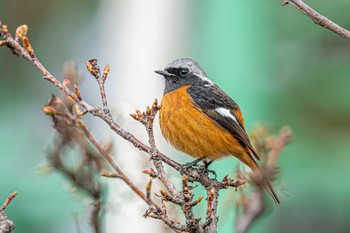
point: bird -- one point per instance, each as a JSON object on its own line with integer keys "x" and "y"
{"x": 198, "y": 118}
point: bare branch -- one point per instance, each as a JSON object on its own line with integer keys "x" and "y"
{"x": 184, "y": 198}
{"x": 276, "y": 145}
{"x": 252, "y": 210}
{"x": 111, "y": 161}
{"x": 211, "y": 219}
{"x": 6, "y": 225}
{"x": 318, "y": 18}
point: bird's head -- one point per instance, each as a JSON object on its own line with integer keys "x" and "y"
{"x": 183, "y": 72}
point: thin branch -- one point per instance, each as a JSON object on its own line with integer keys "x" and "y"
{"x": 111, "y": 161}
{"x": 318, "y": 18}
{"x": 94, "y": 69}
{"x": 147, "y": 119}
{"x": 154, "y": 208}
{"x": 6, "y": 225}
{"x": 8, "y": 201}
{"x": 212, "y": 219}
{"x": 276, "y": 146}
{"x": 253, "y": 210}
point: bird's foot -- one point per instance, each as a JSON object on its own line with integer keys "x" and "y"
{"x": 186, "y": 166}
{"x": 206, "y": 165}
{"x": 202, "y": 168}
{"x": 194, "y": 163}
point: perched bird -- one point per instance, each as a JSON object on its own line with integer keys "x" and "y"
{"x": 201, "y": 120}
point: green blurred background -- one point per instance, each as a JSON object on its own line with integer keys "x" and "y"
{"x": 277, "y": 64}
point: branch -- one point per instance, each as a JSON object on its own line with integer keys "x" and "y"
{"x": 109, "y": 158}
{"x": 318, "y": 18}
{"x": 6, "y": 225}
{"x": 184, "y": 198}
{"x": 154, "y": 208}
{"x": 147, "y": 119}
{"x": 252, "y": 210}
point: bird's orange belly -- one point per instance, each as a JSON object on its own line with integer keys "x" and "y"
{"x": 190, "y": 130}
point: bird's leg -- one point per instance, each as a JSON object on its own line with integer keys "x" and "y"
{"x": 193, "y": 163}
{"x": 207, "y": 164}
{"x": 186, "y": 166}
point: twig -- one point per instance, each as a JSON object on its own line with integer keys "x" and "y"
{"x": 111, "y": 161}
{"x": 6, "y": 225}
{"x": 211, "y": 217}
{"x": 8, "y": 201}
{"x": 318, "y": 18}
{"x": 94, "y": 69}
{"x": 253, "y": 210}
{"x": 147, "y": 119}
{"x": 95, "y": 215}
{"x": 276, "y": 146}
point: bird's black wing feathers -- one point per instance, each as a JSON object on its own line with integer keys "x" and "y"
{"x": 210, "y": 98}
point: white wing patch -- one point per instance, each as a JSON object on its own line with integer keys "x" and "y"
{"x": 204, "y": 78}
{"x": 226, "y": 113}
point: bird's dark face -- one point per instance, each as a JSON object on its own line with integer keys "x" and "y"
{"x": 183, "y": 72}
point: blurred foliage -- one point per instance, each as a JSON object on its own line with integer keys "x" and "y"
{"x": 275, "y": 62}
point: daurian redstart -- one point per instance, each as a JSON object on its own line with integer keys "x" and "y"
{"x": 200, "y": 119}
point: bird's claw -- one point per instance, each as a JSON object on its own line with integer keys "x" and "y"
{"x": 202, "y": 168}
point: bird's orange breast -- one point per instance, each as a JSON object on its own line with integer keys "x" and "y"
{"x": 190, "y": 130}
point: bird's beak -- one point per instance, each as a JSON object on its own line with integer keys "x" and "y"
{"x": 163, "y": 73}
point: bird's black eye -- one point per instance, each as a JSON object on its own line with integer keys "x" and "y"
{"x": 183, "y": 72}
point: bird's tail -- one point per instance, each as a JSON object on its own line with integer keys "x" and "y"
{"x": 256, "y": 169}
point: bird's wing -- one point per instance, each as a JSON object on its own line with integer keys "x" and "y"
{"x": 219, "y": 107}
